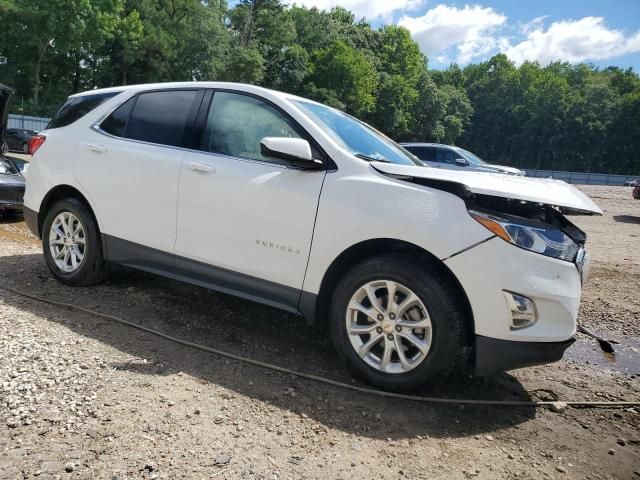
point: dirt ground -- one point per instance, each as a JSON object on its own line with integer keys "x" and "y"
{"x": 81, "y": 397}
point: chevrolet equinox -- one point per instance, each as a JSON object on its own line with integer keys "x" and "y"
{"x": 415, "y": 271}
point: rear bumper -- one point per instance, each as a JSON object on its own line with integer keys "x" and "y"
{"x": 494, "y": 355}
{"x": 31, "y": 219}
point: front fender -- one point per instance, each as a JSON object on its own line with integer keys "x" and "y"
{"x": 358, "y": 203}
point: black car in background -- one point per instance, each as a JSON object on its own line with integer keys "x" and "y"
{"x": 17, "y": 139}
{"x": 12, "y": 181}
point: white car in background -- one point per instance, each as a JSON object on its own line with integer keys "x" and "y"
{"x": 415, "y": 271}
{"x": 455, "y": 158}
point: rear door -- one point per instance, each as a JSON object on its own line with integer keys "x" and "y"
{"x": 245, "y": 221}
{"x": 130, "y": 165}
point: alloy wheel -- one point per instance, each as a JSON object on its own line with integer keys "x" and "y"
{"x": 67, "y": 242}
{"x": 389, "y": 326}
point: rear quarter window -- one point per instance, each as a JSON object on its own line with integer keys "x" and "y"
{"x": 116, "y": 123}
{"x": 77, "y": 107}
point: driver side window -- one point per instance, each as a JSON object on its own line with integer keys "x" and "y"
{"x": 237, "y": 123}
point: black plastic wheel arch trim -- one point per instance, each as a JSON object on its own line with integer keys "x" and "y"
{"x": 31, "y": 218}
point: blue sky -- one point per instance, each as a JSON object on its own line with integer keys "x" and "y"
{"x": 604, "y": 32}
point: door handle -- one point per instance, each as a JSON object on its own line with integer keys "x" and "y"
{"x": 97, "y": 148}
{"x": 200, "y": 167}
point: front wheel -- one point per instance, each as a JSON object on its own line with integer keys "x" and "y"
{"x": 71, "y": 244}
{"x": 396, "y": 324}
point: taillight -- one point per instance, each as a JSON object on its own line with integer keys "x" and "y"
{"x": 35, "y": 143}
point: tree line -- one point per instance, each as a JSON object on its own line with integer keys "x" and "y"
{"x": 560, "y": 116}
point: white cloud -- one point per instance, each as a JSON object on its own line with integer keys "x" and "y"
{"x": 447, "y": 33}
{"x": 370, "y": 9}
{"x": 572, "y": 41}
{"x": 533, "y": 24}
{"x": 468, "y": 31}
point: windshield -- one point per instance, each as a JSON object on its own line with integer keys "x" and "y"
{"x": 357, "y": 137}
{"x": 471, "y": 157}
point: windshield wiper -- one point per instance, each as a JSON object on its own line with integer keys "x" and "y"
{"x": 371, "y": 159}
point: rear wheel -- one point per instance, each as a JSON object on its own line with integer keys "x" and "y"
{"x": 397, "y": 324}
{"x": 71, "y": 244}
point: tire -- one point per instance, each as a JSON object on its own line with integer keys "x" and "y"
{"x": 446, "y": 312}
{"x": 92, "y": 268}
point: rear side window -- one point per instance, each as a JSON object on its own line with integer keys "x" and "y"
{"x": 160, "y": 117}
{"x": 116, "y": 123}
{"x": 77, "y": 107}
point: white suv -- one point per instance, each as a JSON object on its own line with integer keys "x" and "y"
{"x": 285, "y": 201}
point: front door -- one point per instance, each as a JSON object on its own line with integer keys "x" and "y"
{"x": 245, "y": 222}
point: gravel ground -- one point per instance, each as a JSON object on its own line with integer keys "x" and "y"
{"x": 81, "y": 397}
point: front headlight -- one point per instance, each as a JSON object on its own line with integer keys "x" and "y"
{"x": 540, "y": 238}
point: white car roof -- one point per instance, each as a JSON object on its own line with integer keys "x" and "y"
{"x": 242, "y": 87}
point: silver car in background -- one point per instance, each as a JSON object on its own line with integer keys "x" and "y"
{"x": 455, "y": 158}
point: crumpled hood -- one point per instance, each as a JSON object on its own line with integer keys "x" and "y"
{"x": 538, "y": 190}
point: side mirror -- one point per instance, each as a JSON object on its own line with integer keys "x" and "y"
{"x": 461, "y": 162}
{"x": 295, "y": 150}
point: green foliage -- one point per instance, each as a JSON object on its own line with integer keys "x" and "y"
{"x": 455, "y": 110}
{"x": 244, "y": 65}
{"x": 289, "y": 69}
{"x": 561, "y": 116}
{"x": 399, "y": 54}
{"x": 349, "y": 74}
{"x": 396, "y": 95}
